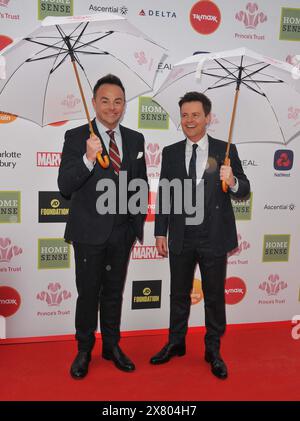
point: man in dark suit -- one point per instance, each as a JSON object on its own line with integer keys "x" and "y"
{"x": 198, "y": 157}
{"x": 102, "y": 239}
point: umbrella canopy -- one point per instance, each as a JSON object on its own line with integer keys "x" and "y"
{"x": 269, "y": 92}
{"x": 39, "y": 83}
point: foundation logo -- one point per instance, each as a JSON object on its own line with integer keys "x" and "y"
{"x": 235, "y": 290}
{"x": 48, "y": 159}
{"x": 146, "y": 294}
{"x": 10, "y": 301}
{"x": 145, "y": 253}
{"x": 242, "y": 208}
{"x": 54, "y": 295}
{"x": 53, "y": 207}
{"x": 276, "y": 248}
{"x": 290, "y": 24}
{"x": 53, "y": 253}
{"x": 197, "y": 293}
{"x": 10, "y": 207}
{"x": 54, "y": 8}
{"x": 152, "y": 115}
{"x": 205, "y": 17}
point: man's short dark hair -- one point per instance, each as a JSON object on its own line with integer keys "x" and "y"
{"x": 111, "y": 79}
{"x": 196, "y": 96}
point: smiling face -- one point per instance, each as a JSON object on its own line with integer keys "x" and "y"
{"x": 109, "y": 105}
{"x": 194, "y": 120}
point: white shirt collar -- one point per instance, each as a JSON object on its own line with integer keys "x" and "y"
{"x": 102, "y": 129}
{"x": 202, "y": 143}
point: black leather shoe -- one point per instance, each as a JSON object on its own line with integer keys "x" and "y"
{"x": 218, "y": 367}
{"x": 116, "y": 355}
{"x": 80, "y": 365}
{"x": 167, "y": 352}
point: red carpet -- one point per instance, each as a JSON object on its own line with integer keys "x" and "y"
{"x": 263, "y": 362}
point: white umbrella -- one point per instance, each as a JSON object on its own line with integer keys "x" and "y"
{"x": 39, "y": 83}
{"x": 252, "y": 95}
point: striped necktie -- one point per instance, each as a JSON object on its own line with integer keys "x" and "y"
{"x": 114, "y": 154}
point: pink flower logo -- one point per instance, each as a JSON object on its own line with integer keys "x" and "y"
{"x": 273, "y": 285}
{"x": 251, "y": 17}
{"x": 54, "y": 296}
{"x": 243, "y": 245}
{"x": 153, "y": 155}
{"x": 7, "y": 250}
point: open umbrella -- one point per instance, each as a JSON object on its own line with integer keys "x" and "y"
{"x": 39, "y": 83}
{"x": 252, "y": 95}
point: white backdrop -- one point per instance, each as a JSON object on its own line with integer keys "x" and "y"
{"x": 38, "y": 297}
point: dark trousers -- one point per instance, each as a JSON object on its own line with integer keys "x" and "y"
{"x": 213, "y": 273}
{"x": 100, "y": 278}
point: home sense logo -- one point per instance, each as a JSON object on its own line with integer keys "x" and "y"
{"x": 290, "y": 24}
{"x": 53, "y": 207}
{"x": 10, "y": 207}
{"x": 54, "y": 8}
{"x": 146, "y": 294}
{"x": 242, "y": 208}
{"x": 205, "y": 17}
{"x": 276, "y": 248}
{"x": 53, "y": 253}
{"x": 152, "y": 115}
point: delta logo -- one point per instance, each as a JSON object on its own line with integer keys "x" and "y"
{"x": 10, "y": 301}
{"x": 158, "y": 13}
{"x": 235, "y": 290}
{"x": 276, "y": 248}
{"x": 48, "y": 159}
{"x": 145, "y": 253}
{"x": 205, "y": 17}
{"x": 54, "y": 8}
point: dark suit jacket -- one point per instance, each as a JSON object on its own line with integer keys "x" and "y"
{"x": 221, "y": 221}
{"x": 85, "y": 224}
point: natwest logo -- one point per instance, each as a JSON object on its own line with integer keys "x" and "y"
{"x": 205, "y": 17}
{"x": 10, "y": 301}
{"x": 54, "y": 296}
{"x": 48, "y": 159}
{"x": 235, "y": 290}
{"x": 145, "y": 253}
{"x": 251, "y": 16}
{"x": 158, "y": 13}
{"x": 283, "y": 159}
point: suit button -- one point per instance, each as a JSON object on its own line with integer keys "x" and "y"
{"x": 217, "y": 207}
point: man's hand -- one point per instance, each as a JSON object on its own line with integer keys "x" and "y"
{"x": 93, "y": 146}
{"x": 162, "y": 246}
{"x": 227, "y": 175}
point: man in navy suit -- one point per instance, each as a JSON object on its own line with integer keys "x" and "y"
{"x": 102, "y": 240}
{"x": 198, "y": 157}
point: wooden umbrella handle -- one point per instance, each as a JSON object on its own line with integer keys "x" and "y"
{"x": 103, "y": 161}
{"x": 224, "y": 184}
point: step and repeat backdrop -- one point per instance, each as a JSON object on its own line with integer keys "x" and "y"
{"x": 37, "y": 285}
